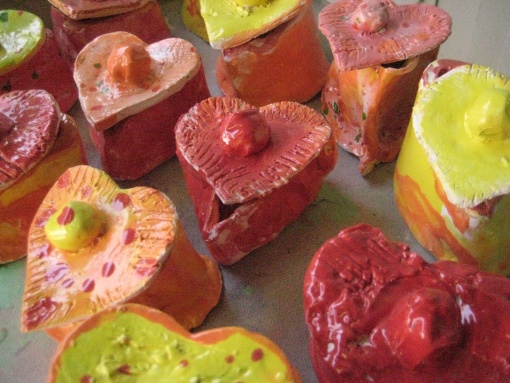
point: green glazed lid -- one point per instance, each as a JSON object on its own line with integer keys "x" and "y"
{"x": 462, "y": 120}
{"x": 21, "y": 35}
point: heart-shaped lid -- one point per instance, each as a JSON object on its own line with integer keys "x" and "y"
{"x": 244, "y": 152}
{"x": 29, "y": 125}
{"x": 364, "y": 33}
{"x": 21, "y": 35}
{"x": 139, "y": 343}
{"x": 118, "y": 75}
{"x": 90, "y": 9}
{"x": 462, "y": 121}
{"x": 230, "y": 23}
{"x": 92, "y": 245}
{"x": 375, "y": 308}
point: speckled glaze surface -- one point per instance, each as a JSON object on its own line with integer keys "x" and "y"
{"x": 74, "y": 270}
{"x": 174, "y": 352}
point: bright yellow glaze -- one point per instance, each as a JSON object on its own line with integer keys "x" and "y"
{"x": 152, "y": 353}
{"x": 488, "y": 119}
{"x": 460, "y": 122}
{"x": 73, "y": 226}
{"x": 225, "y": 19}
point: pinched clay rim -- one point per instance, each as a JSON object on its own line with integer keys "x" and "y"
{"x": 298, "y": 134}
{"x": 469, "y": 172}
{"x": 30, "y": 120}
{"x": 90, "y": 9}
{"x": 411, "y": 30}
{"x": 226, "y": 30}
{"x": 139, "y": 227}
{"x": 21, "y": 35}
{"x": 105, "y": 102}
{"x": 255, "y": 348}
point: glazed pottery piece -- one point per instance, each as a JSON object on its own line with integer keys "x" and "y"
{"x": 251, "y": 171}
{"x": 230, "y": 23}
{"x": 76, "y": 22}
{"x": 192, "y": 18}
{"x": 452, "y": 178}
{"x": 30, "y": 59}
{"x": 132, "y": 95}
{"x": 380, "y": 50}
{"x": 378, "y": 312}
{"x": 285, "y": 64}
{"x": 91, "y": 9}
{"x": 93, "y": 245}
{"x": 37, "y": 143}
{"x": 117, "y": 339}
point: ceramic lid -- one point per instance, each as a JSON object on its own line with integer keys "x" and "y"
{"x": 89, "y": 9}
{"x": 139, "y": 343}
{"x": 245, "y": 152}
{"x": 118, "y": 75}
{"x": 462, "y": 121}
{"x": 230, "y": 23}
{"x": 29, "y": 125}
{"x": 92, "y": 245}
{"x": 21, "y": 35}
{"x": 364, "y": 33}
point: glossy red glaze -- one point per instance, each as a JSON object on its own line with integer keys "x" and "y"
{"x": 147, "y": 23}
{"x": 139, "y": 143}
{"x": 377, "y": 312}
{"x": 245, "y": 132}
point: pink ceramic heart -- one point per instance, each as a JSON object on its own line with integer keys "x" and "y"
{"x": 111, "y": 90}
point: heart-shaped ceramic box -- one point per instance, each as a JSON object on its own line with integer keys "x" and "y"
{"x": 37, "y": 143}
{"x": 452, "y": 178}
{"x": 93, "y": 245}
{"x": 31, "y": 59}
{"x": 136, "y": 343}
{"x": 378, "y": 312}
{"x": 134, "y": 106}
{"x": 380, "y": 51}
{"x": 251, "y": 171}
{"x": 78, "y": 22}
{"x": 285, "y": 64}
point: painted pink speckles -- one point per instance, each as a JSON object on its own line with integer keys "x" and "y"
{"x": 40, "y": 312}
{"x": 86, "y": 191}
{"x": 88, "y": 285}
{"x": 121, "y": 201}
{"x": 64, "y": 181}
{"x": 56, "y": 272}
{"x": 128, "y": 236}
{"x": 42, "y": 251}
{"x": 108, "y": 269}
{"x": 40, "y": 221}
{"x": 124, "y": 369}
{"x": 86, "y": 379}
{"x": 184, "y": 363}
{"x": 229, "y": 359}
{"x": 146, "y": 266}
{"x": 257, "y": 355}
{"x": 66, "y": 283}
{"x": 66, "y": 216}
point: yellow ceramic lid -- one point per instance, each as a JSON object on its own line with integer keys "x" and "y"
{"x": 462, "y": 120}
{"x": 233, "y": 22}
{"x": 21, "y": 35}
